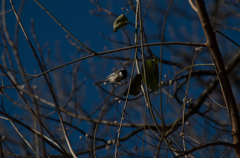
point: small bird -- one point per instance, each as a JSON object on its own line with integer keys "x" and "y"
{"x": 114, "y": 77}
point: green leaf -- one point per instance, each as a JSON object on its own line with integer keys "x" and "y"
{"x": 152, "y": 74}
{"x": 120, "y": 22}
{"x": 135, "y": 85}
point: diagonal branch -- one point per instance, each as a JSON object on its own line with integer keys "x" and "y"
{"x": 228, "y": 96}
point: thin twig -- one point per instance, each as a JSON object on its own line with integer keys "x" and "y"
{"x": 112, "y": 51}
{"x": 193, "y": 5}
{"x": 6, "y": 12}
{"x": 96, "y": 127}
{"x": 64, "y": 28}
{"x": 25, "y": 140}
{"x": 161, "y": 70}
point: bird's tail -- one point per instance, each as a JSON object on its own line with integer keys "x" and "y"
{"x": 99, "y": 82}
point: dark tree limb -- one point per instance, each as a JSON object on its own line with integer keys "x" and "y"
{"x": 228, "y": 96}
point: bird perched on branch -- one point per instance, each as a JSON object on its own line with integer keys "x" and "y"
{"x": 114, "y": 77}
